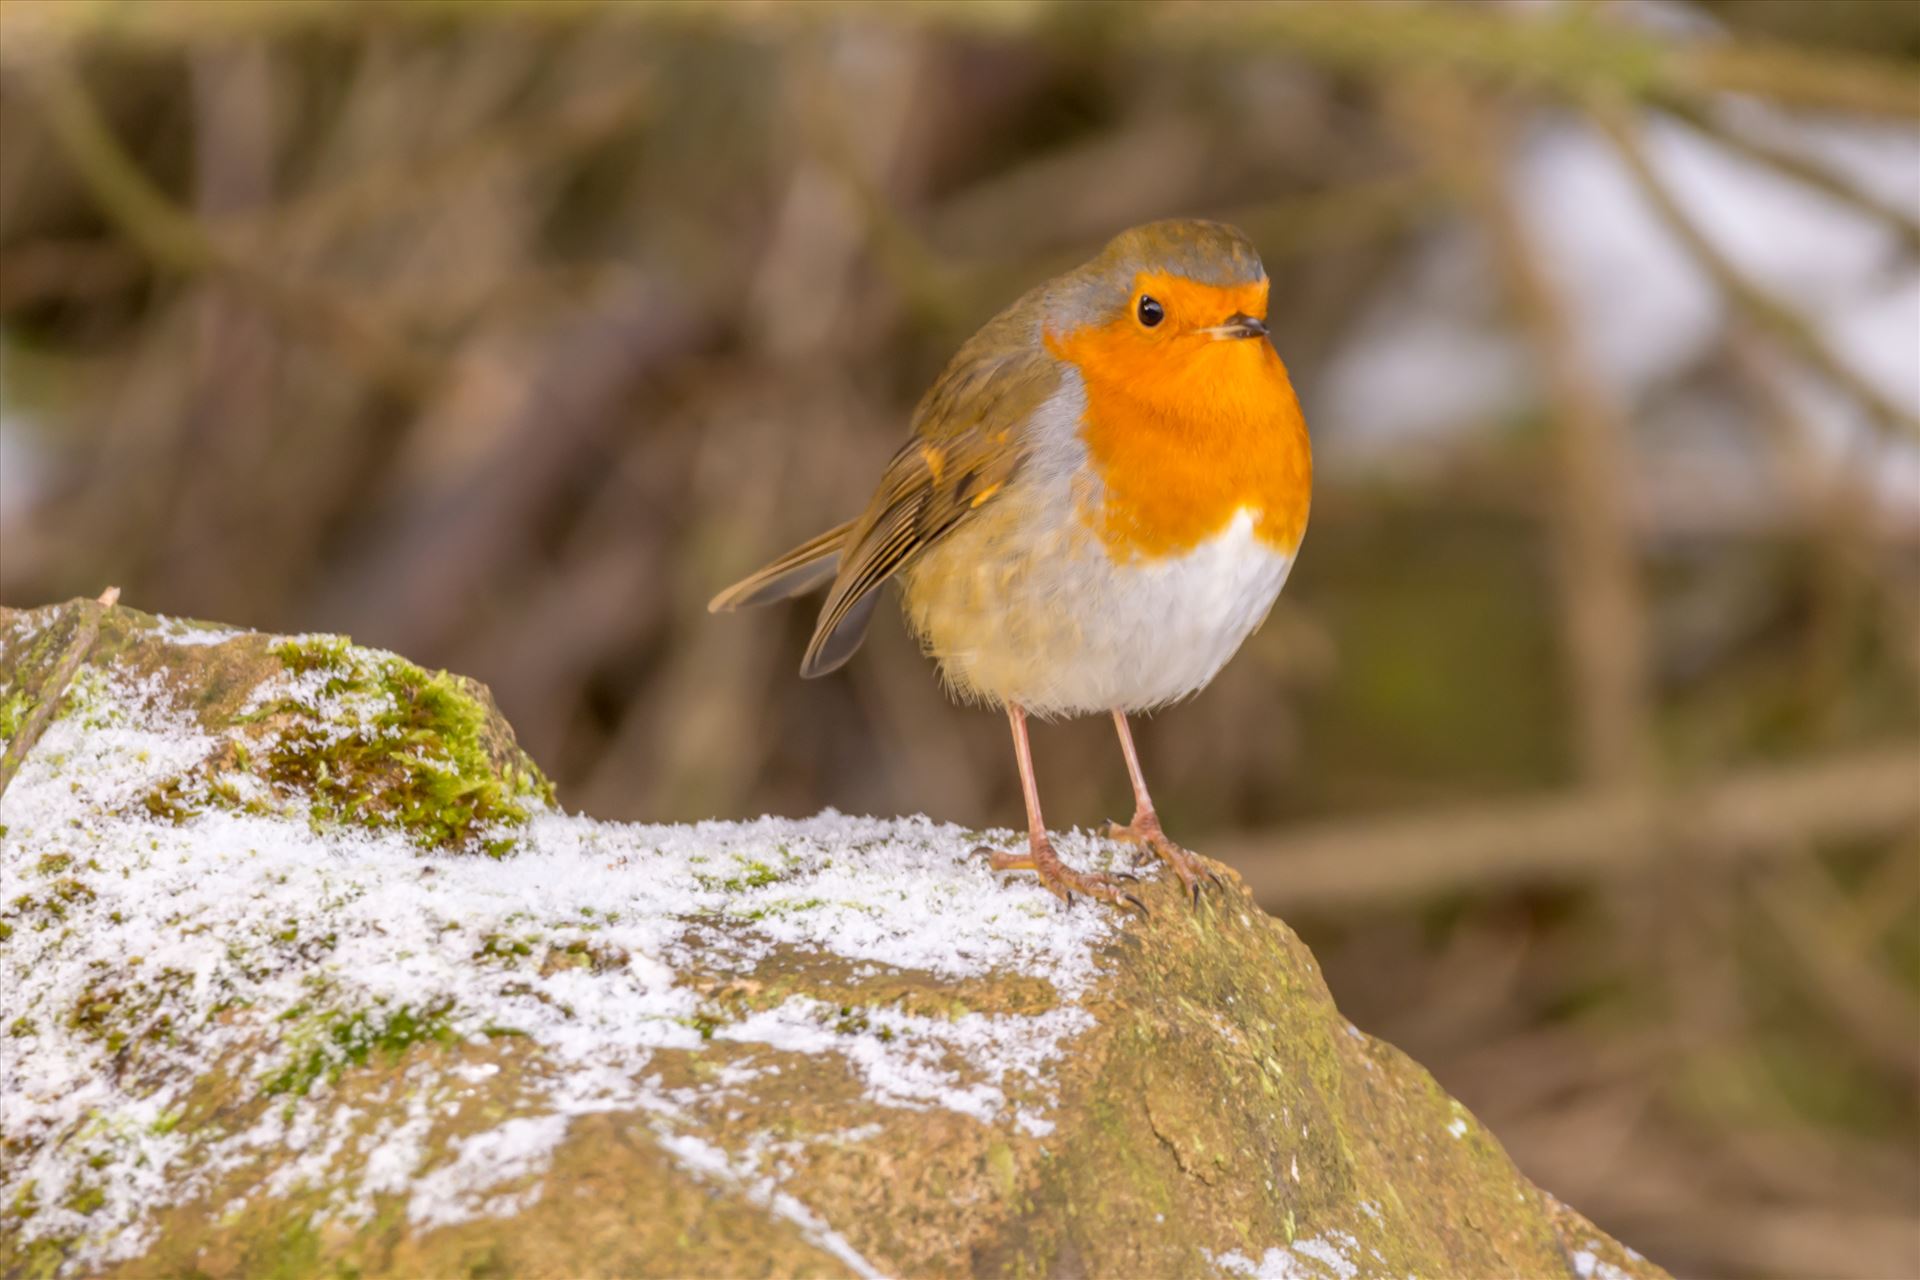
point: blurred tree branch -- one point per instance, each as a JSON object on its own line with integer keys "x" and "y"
{"x": 178, "y": 242}
{"x": 1814, "y": 919}
{"x": 379, "y": 190}
{"x": 1601, "y": 597}
{"x": 1801, "y": 169}
{"x": 1572, "y": 51}
{"x": 1774, "y": 811}
{"x": 1784, "y": 321}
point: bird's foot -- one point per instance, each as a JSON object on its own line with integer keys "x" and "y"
{"x": 1062, "y": 881}
{"x": 1145, "y": 831}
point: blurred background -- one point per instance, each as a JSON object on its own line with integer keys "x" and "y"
{"x": 1584, "y": 746}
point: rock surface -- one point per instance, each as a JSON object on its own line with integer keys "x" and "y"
{"x": 302, "y": 972}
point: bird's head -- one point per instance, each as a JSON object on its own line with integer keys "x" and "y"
{"x": 1163, "y": 300}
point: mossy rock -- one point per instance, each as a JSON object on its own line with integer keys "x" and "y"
{"x": 309, "y": 726}
{"x": 276, "y": 1023}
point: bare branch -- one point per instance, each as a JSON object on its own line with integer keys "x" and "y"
{"x": 1784, "y": 321}
{"x": 1571, "y": 52}
{"x": 178, "y": 242}
{"x": 1601, "y": 599}
{"x": 1582, "y": 836}
{"x": 1801, "y": 169}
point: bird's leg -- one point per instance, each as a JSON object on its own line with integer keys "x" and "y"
{"x": 1058, "y": 878}
{"x": 1145, "y": 827}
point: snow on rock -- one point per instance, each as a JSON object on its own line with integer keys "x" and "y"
{"x": 383, "y": 993}
{"x": 313, "y": 930}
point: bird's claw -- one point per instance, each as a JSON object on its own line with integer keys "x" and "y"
{"x": 1061, "y": 880}
{"x": 1145, "y": 830}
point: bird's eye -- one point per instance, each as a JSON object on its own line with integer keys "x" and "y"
{"x": 1151, "y": 312}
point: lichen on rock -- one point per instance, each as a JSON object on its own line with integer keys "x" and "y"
{"x": 263, "y": 1012}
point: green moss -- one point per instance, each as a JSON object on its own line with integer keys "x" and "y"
{"x": 410, "y": 749}
{"x": 489, "y": 1264}
{"x": 86, "y": 1198}
{"x": 169, "y": 802}
{"x": 316, "y": 653}
{"x": 295, "y": 1253}
{"x": 759, "y": 875}
{"x": 500, "y": 947}
{"x": 68, "y": 889}
{"x": 780, "y": 907}
{"x": 44, "y": 1258}
{"x": 493, "y": 1032}
{"x": 582, "y": 954}
{"x": 351, "y": 1039}
{"x": 25, "y": 1201}
{"x": 852, "y": 1021}
{"x": 88, "y": 700}
{"x": 52, "y": 864}
{"x": 121, "y": 1013}
{"x": 704, "y": 1022}
{"x": 14, "y": 709}
{"x": 752, "y": 874}
{"x": 225, "y": 793}
{"x": 22, "y": 1026}
{"x": 50, "y": 907}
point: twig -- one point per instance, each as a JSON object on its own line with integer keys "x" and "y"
{"x": 1784, "y": 321}
{"x": 92, "y": 613}
{"x": 1582, "y": 836}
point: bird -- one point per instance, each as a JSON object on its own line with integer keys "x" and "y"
{"x": 1099, "y": 499}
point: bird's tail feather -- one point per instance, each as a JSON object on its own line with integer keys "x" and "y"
{"x": 810, "y": 565}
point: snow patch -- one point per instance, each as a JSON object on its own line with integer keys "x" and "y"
{"x": 189, "y": 634}
{"x": 275, "y": 950}
{"x": 1308, "y": 1259}
{"x": 1588, "y": 1265}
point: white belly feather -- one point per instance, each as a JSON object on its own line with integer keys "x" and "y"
{"x": 1075, "y": 633}
{"x": 1157, "y": 632}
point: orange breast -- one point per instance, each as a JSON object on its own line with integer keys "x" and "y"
{"x": 1185, "y": 429}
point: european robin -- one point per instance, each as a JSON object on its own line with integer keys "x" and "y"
{"x": 1100, "y": 500}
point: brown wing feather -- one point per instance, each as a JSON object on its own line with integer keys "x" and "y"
{"x": 809, "y": 565}
{"x": 970, "y": 435}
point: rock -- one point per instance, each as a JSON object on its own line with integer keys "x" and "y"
{"x": 303, "y": 972}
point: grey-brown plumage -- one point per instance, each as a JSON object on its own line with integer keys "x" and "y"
{"x": 967, "y": 441}
{"x": 1100, "y": 499}
{"x": 971, "y": 432}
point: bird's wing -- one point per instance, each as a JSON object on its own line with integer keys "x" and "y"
{"x": 808, "y": 566}
{"x": 971, "y": 434}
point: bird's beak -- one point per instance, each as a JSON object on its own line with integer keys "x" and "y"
{"x": 1238, "y": 325}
